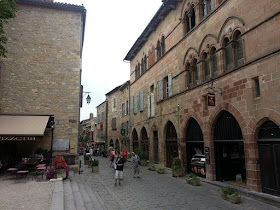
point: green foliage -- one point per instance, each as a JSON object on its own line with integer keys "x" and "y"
{"x": 84, "y": 138}
{"x": 151, "y": 167}
{"x": 230, "y": 191}
{"x": 7, "y": 11}
{"x": 95, "y": 162}
{"x": 86, "y": 157}
{"x": 193, "y": 177}
{"x": 140, "y": 153}
{"x": 177, "y": 163}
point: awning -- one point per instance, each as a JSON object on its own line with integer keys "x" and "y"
{"x": 15, "y": 125}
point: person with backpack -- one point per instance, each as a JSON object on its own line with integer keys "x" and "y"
{"x": 136, "y": 162}
{"x": 119, "y": 169}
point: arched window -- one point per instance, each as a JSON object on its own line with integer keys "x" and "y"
{"x": 206, "y": 68}
{"x": 192, "y": 17}
{"x": 228, "y": 54}
{"x": 187, "y": 19}
{"x": 142, "y": 66}
{"x": 195, "y": 72}
{"x": 158, "y": 50}
{"x": 136, "y": 73}
{"x": 162, "y": 45}
{"x": 145, "y": 63}
{"x": 238, "y": 49}
{"x": 206, "y": 6}
{"x": 213, "y": 61}
{"x": 189, "y": 75}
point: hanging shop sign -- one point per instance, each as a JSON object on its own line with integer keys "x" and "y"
{"x": 211, "y": 99}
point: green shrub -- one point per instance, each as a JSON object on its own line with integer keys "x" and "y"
{"x": 177, "y": 163}
{"x": 193, "y": 177}
{"x": 94, "y": 162}
{"x": 230, "y": 191}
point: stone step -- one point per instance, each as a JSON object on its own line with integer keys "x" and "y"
{"x": 78, "y": 198}
{"x": 95, "y": 198}
{"x": 85, "y": 196}
{"x": 69, "y": 203}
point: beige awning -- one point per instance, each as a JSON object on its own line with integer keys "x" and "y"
{"x": 23, "y": 125}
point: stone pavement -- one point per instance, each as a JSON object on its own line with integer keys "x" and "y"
{"x": 151, "y": 191}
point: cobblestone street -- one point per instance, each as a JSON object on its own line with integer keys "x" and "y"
{"x": 150, "y": 191}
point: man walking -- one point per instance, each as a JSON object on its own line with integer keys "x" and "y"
{"x": 119, "y": 170}
{"x": 135, "y": 160}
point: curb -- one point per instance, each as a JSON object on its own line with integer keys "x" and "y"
{"x": 263, "y": 197}
{"x": 58, "y": 197}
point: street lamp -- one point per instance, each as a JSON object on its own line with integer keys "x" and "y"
{"x": 88, "y": 98}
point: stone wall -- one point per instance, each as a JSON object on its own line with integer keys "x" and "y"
{"x": 41, "y": 74}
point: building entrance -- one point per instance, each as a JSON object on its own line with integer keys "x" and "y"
{"x": 229, "y": 149}
{"x": 269, "y": 152}
{"x": 171, "y": 144}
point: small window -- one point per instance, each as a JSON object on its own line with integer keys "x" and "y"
{"x": 158, "y": 50}
{"x": 114, "y": 123}
{"x": 189, "y": 75}
{"x": 257, "y": 87}
{"x": 238, "y": 49}
{"x": 195, "y": 72}
{"x": 228, "y": 54}
{"x": 214, "y": 64}
{"x": 206, "y": 67}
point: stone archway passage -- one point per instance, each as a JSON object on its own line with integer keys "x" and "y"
{"x": 135, "y": 142}
{"x": 171, "y": 144}
{"x": 229, "y": 148}
{"x": 145, "y": 143}
{"x": 269, "y": 152}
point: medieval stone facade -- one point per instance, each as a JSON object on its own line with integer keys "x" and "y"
{"x": 118, "y": 117}
{"x": 205, "y": 76}
{"x": 42, "y": 72}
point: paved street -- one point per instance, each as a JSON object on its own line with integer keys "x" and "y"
{"x": 150, "y": 191}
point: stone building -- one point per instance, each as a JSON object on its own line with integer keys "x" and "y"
{"x": 118, "y": 117}
{"x": 102, "y": 125}
{"x": 41, "y": 78}
{"x": 205, "y": 76}
{"x": 89, "y": 125}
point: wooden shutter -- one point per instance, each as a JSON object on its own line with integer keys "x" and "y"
{"x": 141, "y": 100}
{"x": 160, "y": 90}
{"x": 152, "y": 104}
{"x": 149, "y": 106}
{"x": 135, "y": 104}
{"x": 169, "y": 85}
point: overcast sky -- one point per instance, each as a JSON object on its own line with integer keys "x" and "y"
{"x": 112, "y": 27}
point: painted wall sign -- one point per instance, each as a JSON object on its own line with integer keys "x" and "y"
{"x": 211, "y": 99}
{"x": 17, "y": 138}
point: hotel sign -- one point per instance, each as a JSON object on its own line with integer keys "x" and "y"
{"x": 17, "y": 138}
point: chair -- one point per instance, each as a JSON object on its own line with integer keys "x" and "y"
{"x": 41, "y": 170}
{"x": 11, "y": 171}
{"x": 21, "y": 174}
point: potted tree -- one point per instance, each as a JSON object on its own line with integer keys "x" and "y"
{"x": 160, "y": 169}
{"x": 177, "y": 168}
{"x": 192, "y": 179}
{"x": 231, "y": 194}
{"x": 95, "y": 165}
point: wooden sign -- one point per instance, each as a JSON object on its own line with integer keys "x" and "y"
{"x": 211, "y": 99}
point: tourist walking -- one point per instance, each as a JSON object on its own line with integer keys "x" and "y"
{"x": 124, "y": 153}
{"x": 135, "y": 161}
{"x": 119, "y": 170}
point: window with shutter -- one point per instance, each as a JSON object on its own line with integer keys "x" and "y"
{"x": 149, "y": 106}
{"x": 152, "y": 104}
{"x": 160, "y": 90}
{"x": 169, "y": 86}
{"x": 141, "y": 100}
{"x": 135, "y": 104}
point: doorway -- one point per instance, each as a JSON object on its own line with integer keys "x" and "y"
{"x": 171, "y": 144}
{"x": 156, "y": 146}
{"x": 269, "y": 154}
{"x": 229, "y": 148}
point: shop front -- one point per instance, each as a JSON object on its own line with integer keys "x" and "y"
{"x": 22, "y": 137}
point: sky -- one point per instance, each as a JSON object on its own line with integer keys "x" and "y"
{"x": 112, "y": 27}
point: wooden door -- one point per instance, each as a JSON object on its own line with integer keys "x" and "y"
{"x": 270, "y": 167}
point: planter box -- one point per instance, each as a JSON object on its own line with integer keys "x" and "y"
{"x": 60, "y": 173}
{"x": 161, "y": 171}
{"x": 193, "y": 182}
{"x": 177, "y": 172}
{"x": 232, "y": 199}
{"x": 95, "y": 169}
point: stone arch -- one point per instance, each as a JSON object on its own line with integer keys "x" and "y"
{"x": 171, "y": 143}
{"x": 144, "y": 142}
{"x": 229, "y": 25}
{"x": 192, "y": 53}
{"x": 135, "y": 139}
{"x": 207, "y": 41}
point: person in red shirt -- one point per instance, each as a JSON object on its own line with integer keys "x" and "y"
{"x": 124, "y": 153}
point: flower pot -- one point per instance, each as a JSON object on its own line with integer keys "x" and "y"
{"x": 161, "y": 171}
{"x": 232, "y": 198}
{"x": 95, "y": 169}
{"x": 60, "y": 173}
{"x": 177, "y": 172}
{"x": 193, "y": 182}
